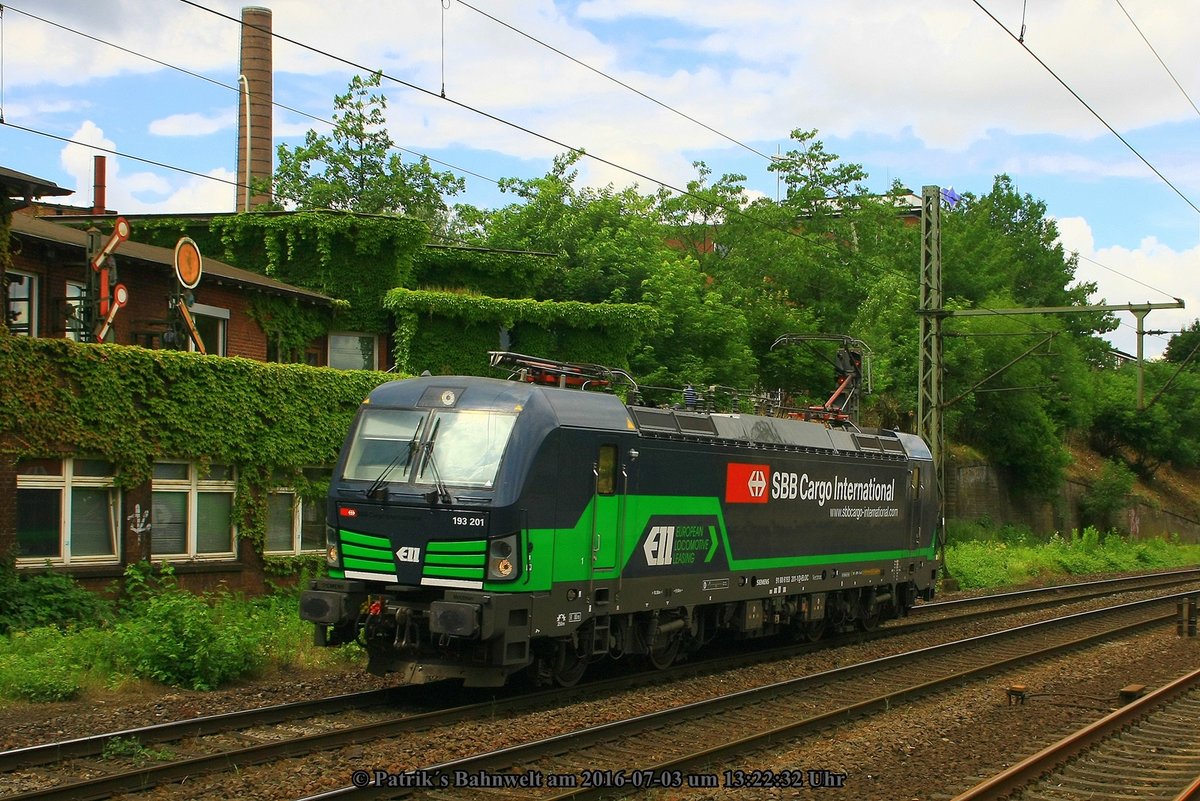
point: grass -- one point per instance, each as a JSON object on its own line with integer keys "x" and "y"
{"x": 978, "y": 556}
{"x": 162, "y": 635}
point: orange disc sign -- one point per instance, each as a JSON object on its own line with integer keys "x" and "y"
{"x": 188, "y": 267}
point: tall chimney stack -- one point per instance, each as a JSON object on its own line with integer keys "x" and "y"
{"x": 99, "y": 184}
{"x": 255, "y": 130}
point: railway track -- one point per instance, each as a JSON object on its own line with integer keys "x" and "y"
{"x": 1058, "y": 592}
{"x": 221, "y": 742}
{"x": 657, "y": 750}
{"x": 1148, "y": 749}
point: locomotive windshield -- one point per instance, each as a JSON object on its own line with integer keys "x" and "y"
{"x": 461, "y": 448}
{"x": 385, "y": 438}
{"x": 466, "y": 447}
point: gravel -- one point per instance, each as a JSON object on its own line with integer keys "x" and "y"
{"x": 929, "y": 749}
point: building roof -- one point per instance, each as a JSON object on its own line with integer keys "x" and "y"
{"x": 26, "y": 187}
{"x": 221, "y": 273}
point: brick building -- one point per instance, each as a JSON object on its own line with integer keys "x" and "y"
{"x": 49, "y": 270}
{"x": 70, "y": 513}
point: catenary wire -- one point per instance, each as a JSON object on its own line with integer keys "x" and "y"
{"x": 631, "y": 171}
{"x": 223, "y": 85}
{"x": 122, "y": 154}
{"x": 1157, "y": 56}
{"x": 1085, "y": 104}
{"x": 544, "y": 137}
{"x": 617, "y": 81}
{"x": 502, "y": 121}
{"x": 404, "y": 83}
{"x": 1123, "y": 275}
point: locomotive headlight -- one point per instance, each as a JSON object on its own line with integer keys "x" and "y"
{"x": 500, "y": 563}
{"x": 331, "y": 546}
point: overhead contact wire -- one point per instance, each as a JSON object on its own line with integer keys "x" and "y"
{"x": 617, "y": 81}
{"x": 223, "y": 85}
{"x": 1085, "y": 104}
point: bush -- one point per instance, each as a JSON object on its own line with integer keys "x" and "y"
{"x": 186, "y": 641}
{"x": 46, "y": 599}
{"x": 1107, "y": 495}
{"x": 983, "y": 530}
{"x": 164, "y": 634}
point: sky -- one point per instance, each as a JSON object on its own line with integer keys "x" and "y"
{"x": 943, "y": 92}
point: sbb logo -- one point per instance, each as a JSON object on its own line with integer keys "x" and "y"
{"x": 783, "y": 486}
{"x": 747, "y": 483}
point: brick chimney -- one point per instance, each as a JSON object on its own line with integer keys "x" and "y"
{"x": 99, "y": 184}
{"x": 255, "y": 79}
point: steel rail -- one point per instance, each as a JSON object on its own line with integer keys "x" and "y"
{"x": 100, "y": 787}
{"x": 1055, "y": 755}
{"x": 94, "y": 745}
{"x": 1169, "y": 576}
{"x": 574, "y": 741}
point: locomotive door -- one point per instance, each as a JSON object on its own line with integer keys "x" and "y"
{"x": 914, "y": 508}
{"x": 607, "y": 511}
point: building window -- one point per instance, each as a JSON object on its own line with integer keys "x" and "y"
{"x": 76, "y": 292}
{"x": 293, "y": 524}
{"x": 351, "y": 351}
{"x": 276, "y": 353}
{"x": 22, "y": 303}
{"x": 193, "y": 511}
{"x": 211, "y": 324}
{"x": 68, "y": 510}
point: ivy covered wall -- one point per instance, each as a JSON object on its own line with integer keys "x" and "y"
{"x": 451, "y": 332}
{"x": 355, "y": 258}
{"x": 498, "y": 273}
{"x": 131, "y": 406}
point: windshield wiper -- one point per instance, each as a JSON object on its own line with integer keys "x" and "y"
{"x": 441, "y": 493}
{"x": 380, "y": 483}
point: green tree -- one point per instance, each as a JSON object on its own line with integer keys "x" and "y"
{"x": 1003, "y": 242}
{"x": 701, "y": 337}
{"x": 607, "y": 239}
{"x": 356, "y": 169}
{"x": 1184, "y": 347}
{"x": 1108, "y": 494}
{"x": 1163, "y": 431}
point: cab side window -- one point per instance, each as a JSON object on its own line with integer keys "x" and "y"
{"x": 606, "y": 470}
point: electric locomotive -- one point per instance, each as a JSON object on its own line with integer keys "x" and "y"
{"x": 479, "y": 527}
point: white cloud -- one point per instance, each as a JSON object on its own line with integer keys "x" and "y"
{"x": 143, "y": 192}
{"x": 79, "y": 160}
{"x": 951, "y": 74}
{"x": 939, "y": 86}
{"x": 1150, "y": 273}
{"x": 198, "y": 195}
{"x": 194, "y": 124}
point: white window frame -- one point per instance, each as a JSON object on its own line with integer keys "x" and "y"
{"x": 374, "y": 365}
{"x": 74, "y": 306}
{"x": 64, "y": 482}
{"x": 35, "y": 282}
{"x": 222, "y": 317}
{"x": 193, "y": 486}
{"x": 296, "y": 522}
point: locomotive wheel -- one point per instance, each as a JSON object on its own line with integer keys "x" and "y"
{"x": 663, "y": 656}
{"x": 814, "y": 629}
{"x": 569, "y": 666}
{"x": 869, "y": 620}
